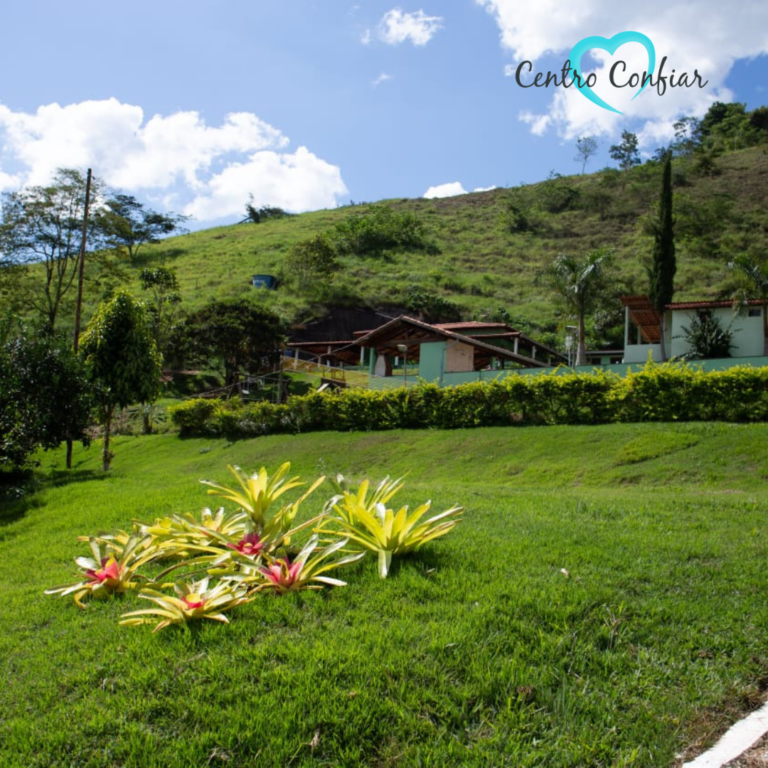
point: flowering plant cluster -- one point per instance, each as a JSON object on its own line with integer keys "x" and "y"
{"x": 250, "y": 550}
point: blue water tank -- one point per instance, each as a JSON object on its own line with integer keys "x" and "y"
{"x": 265, "y": 281}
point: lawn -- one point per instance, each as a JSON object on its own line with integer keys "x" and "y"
{"x": 602, "y": 604}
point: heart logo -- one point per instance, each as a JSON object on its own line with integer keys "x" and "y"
{"x": 612, "y": 45}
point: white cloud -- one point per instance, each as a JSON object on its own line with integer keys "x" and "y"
{"x": 397, "y": 26}
{"x": 365, "y": 38}
{"x": 382, "y": 78}
{"x": 174, "y": 157}
{"x": 484, "y": 189}
{"x": 297, "y": 182}
{"x": 445, "y": 190}
{"x": 708, "y": 36}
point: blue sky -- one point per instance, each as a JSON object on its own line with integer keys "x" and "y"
{"x": 193, "y": 105}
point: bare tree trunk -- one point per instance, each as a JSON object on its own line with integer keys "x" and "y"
{"x": 765, "y": 330}
{"x": 69, "y": 454}
{"x": 107, "y": 456}
{"x": 662, "y": 344}
{"x": 581, "y": 354}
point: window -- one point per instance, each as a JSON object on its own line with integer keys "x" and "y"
{"x": 754, "y": 312}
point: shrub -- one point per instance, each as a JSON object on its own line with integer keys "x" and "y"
{"x": 664, "y": 392}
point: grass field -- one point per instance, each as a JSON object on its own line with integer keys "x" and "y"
{"x": 602, "y": 604}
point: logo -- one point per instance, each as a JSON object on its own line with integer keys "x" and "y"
{"x": 617, "y": 75}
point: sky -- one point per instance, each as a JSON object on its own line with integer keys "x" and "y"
{"x": 307, "y": 104}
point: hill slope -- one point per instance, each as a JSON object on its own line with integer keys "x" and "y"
{"x": 482, "y": 264}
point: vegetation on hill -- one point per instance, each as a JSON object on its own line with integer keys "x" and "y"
{"x": 484, "y": 253}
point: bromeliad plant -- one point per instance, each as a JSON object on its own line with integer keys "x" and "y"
{"x": 192, "y": 601}
{"x": 285, "y": 575}
{"x": 259, "y": 493}
{"x": 108, "y": 572}
{"x": 249, "y": 549}
{"x": 369, "y": 524}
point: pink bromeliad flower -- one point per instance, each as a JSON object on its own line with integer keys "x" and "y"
{"x": 193, "y": 601}
{"x": 109, "y": 570}
{"x": 282, "y": 573}
{"x": 250, "y": 545}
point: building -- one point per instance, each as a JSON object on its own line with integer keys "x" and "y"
{"x": 642, "y": 327}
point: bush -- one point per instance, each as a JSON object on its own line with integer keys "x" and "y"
{"x": 665, "y": 392}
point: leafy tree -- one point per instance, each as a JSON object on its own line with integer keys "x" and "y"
{"x": 124, "y": 222}
{"x": 122, "y": 359}
{"x": 312, "y": 259}
{"x": 586, "y": 147}
{"x": 244, "y": 336}
{"x": 163, "y": 285}
{"x": 581, "y": 284}
{"x": 751, "y": 273}
{"x": 626, "y": 154}
{"x": 687, "y": 135}
{"x": 661, "y": 273}
{"x": 45, "y": 397}
{"x": 729, "y": 126}
{"x": 258, "y": 215}
{"x": 707, "y": 339}
{"x": 43, "y": 226}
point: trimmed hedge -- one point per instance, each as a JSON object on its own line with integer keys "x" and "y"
{"x": 657, "y": 392}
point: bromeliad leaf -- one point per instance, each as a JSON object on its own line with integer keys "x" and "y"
{"x": 367, "y": 522}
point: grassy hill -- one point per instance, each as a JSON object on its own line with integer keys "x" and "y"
{"x": 483, "y": 265}
{"x": 584, "y": 613}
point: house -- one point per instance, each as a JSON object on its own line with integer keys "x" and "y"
{"x": 642, "y": 327}
{"x": 450, "y": 353}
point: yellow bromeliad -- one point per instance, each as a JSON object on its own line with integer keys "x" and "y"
{"x": 308, "y": 567}
{"x": 108, "y": 571}
{"x": 192, "y": 601}
{"x": 259, "y": 493}
{"x": 368, "y": 522}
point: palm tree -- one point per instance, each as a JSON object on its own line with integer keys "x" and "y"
{"x": 581, "y": 283}
{"x": 753, "y": 284}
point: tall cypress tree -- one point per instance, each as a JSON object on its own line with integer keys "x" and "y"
{"x": 661, "y": 274}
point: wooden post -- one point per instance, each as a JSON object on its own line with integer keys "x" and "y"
{"x": 79, "y": 306}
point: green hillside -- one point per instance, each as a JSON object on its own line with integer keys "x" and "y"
{"x": 483, "y": 265}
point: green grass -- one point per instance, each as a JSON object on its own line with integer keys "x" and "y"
{"x": 481, "y": 651}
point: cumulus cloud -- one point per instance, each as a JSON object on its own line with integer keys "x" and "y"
{"x": 382, "y": 78}
{"x": 173, "y": 157}
{"x": 707, "y": 36}
{"x": 366, "y": 37}
{"x": 445, "y": 190}
{"x": 484, "y": 189}
{"x": 397, "y": 27}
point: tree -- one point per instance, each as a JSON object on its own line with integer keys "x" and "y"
{"x": 242, "y": 335}
{"x": 626, "y": 154}
{"x": 43, "y": 226}
{"x": 586, "y": 147}
{"x": 164, "y": 287}
{"x": 661, "y": 273}
{"x": 687, "y": 135}
{"x": 257, "y": 215}
{"x": 752, "y": 283}
{"x": 124, "y": 222}
{"x": 45, "y": 397}
{"x": 122, "y": 359}
{"x": 581, "y": 284}
{"x": 312, "y": 259}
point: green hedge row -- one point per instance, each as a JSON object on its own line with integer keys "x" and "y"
{"x": 667, "y": 392}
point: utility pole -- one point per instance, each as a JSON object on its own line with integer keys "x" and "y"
{"x": 79, "y": 305}
{"x": 82, "y": 260}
